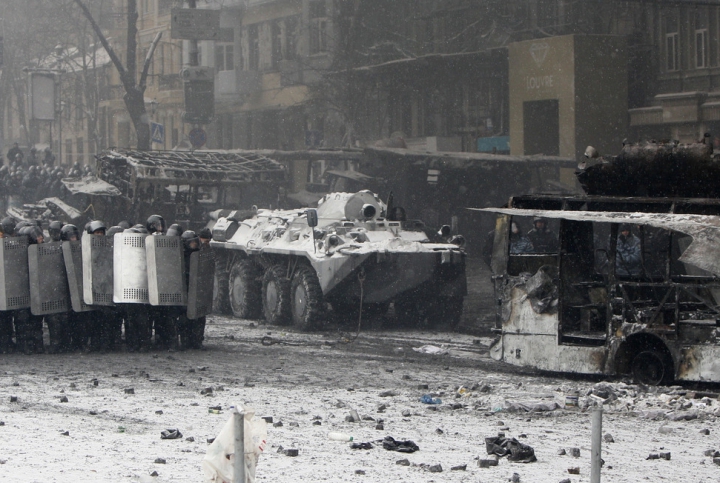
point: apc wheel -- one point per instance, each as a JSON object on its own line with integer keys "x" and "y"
{"x": 306, "y": 305}
{"x": 276, "y": 295}
{"x": 245, "y": 287}
{"x": 221, "y": 303}
{"x": 649, "y": 368}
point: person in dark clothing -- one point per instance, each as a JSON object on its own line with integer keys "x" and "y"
{"x": 542, "y": 239}
{"x": 628, "y": 257}
{"x": 191, "y": 330}
{"x": 29, "y": 327}
{"x": 49, "y": 158}
{"x": 12, "y": 154}
{"x": 519, "y": 243}
{"x": 7, "y": 229}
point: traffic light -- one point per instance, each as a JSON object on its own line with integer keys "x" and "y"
{"x": 199, "y": 88}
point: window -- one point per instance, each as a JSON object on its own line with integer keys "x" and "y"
{"x": 277, "y": 38}
{"x": 68, "y": 152}
{"x": 672, "y": 50}
{"x": 253, "y": 48}
{"x": 318, "y": 27}
{"x": 80, "y": 150}
{"x": 224, "y": 57}
{"x": 701, "y": 39}
{"x": 290, "y": 48}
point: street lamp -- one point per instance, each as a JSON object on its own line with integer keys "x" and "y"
{"x": 153, "y": 107}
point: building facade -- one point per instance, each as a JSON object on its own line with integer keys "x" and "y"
{"x": 427, "y": 74}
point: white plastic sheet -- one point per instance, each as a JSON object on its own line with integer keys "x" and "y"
{"x": 220, "y": 457}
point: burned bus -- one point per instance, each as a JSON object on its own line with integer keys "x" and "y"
{"x": 185, "y": 187}
{"x": 630, "y": 286}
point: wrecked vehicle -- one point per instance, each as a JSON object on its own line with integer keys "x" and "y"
{"x": 184, "y": 186}
{"x": 352, "y": 252}
{"x": 590, "y": 307}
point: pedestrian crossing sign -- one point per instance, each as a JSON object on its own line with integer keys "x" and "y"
{"x": 157, "y": 133}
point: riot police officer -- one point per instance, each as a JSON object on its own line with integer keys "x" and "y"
{"x": 7, "y": 229}
{"x": 58, "y": 324}
{"x": 163, "y": 318}
{"x": 102, "y": 328}
{"x": 54, "y": 230}
{"x": 190, "y": 330}
{"x": 29, "y": 327}
{"x": 78, "y": 322}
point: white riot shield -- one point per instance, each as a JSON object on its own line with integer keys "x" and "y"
{"x": 97, "y": 274}
{"x": 15, "y": 283}
{"x": 200, "y": 286}
{"x": 72, "y": 254}
{"x": 49, "y": 292}
{"x": 166, "y": 270}
{"x": 130, "y": 281}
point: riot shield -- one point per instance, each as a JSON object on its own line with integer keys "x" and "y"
{"x": 166, "y": 270}
{"x": 72, "y": 254}
{"x": 130, "y": 281}
{"x": 49, "y": 292}
{"x": 15, "y": 283}
{"x": 200, "y": 287}
{"x": 97, "y": 274}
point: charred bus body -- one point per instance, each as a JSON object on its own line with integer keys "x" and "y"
{"x": 631, "y": 287}
{"x": 185, "y": 187}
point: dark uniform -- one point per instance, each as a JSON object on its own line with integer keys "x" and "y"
{"x": 29, "y": 327}
{"x": 542, "y": 239}
{"x": 7, "y": 229}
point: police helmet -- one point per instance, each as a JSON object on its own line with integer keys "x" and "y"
{"x": 96, "y": 225}
{"x": 174, "y": 230}
{"x": 54, "y": 229}
{"x": 190, "y": 240}
{"x": 155, "y": 223}
{"x": 140, "y": 229}
{"x": 22, "y": 224}
{"x": 69, "y": 233}
{"x": 33, "y": 233}
{"x": 7, "y": 226}
{"x": 124, "y": 224}
{"x": 205, "y": 233}
{"x": 112, "y": 230}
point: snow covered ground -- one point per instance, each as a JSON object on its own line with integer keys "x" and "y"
{"x": 106, "y": 432}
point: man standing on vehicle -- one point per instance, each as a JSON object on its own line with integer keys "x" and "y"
{"x": 542, "y": 239}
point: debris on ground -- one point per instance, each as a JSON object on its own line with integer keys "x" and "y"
{"x": 171, "y": 434}
{"x": 390, "y": 444}
{"x": 431, "y": 349}
{"x": 510, "y": 447}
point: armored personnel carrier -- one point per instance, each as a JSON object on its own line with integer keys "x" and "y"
{"x": 289, "y": 265}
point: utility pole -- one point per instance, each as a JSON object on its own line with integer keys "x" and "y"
{"x": 193, "y": 43}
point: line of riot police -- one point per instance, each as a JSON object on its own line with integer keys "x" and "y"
{"x": 87, "y": 287}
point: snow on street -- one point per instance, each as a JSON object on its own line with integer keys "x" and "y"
{"x": 118, "y": 404}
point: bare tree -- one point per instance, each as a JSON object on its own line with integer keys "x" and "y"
{"x": 134, "y": 87}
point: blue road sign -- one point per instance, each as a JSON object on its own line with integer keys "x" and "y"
{"x": 157, "y": 133}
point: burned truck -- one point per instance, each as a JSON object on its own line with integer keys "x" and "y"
{"x": 352, "y": 253}
{"x": 632, "y": 284}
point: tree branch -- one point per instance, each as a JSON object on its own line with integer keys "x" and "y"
{"x": 106, "y": 45}
{"x": 148, "y": 60}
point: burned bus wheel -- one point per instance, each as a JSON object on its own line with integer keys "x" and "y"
{"x": 246, "y": 290}
{"x": 649, "y": 368}
{"x": 221, "y": 304}
{"x": 276, "y": 295}
{"x": 307, "y": 305}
